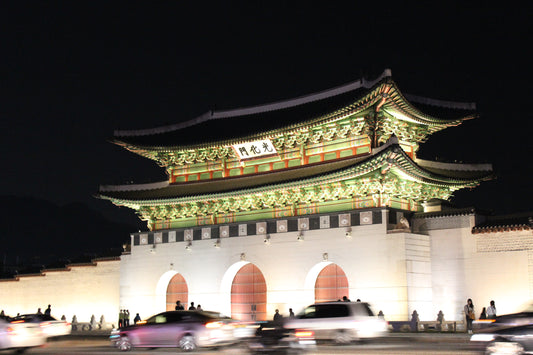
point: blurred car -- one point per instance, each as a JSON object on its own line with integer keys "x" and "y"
{"x": 513, "y": 319}
{"x": 50, "y": 326}
{"x": 186, "y": 330}
{"x": 340, "y": 322}
{"x": 505, "y": 340}
{"x": 273, "y": 337}
{"x": 20, "y": 336}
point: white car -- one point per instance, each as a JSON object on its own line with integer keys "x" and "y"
{"x": 50, "y": 326}
{"x": 19, "y": 336}
{"x": 341, "y": 322}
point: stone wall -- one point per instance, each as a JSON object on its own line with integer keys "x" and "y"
{"x": 81, "y": 290}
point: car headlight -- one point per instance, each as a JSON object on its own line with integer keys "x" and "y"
{"x": 482, "y": 337}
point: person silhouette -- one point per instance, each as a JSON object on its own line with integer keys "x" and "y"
{"x": 192, "y": 308}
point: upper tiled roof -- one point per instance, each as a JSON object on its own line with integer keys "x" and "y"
{"x": 217, "y": 126}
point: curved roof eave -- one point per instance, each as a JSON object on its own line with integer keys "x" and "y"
{"x": 397, "y": 102}
{"x": 401, "y": 161}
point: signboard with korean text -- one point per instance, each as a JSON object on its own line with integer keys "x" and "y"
{"x": 256, "y": 149}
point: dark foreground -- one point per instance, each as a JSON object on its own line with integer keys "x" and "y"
{"x": 421, "y": 343}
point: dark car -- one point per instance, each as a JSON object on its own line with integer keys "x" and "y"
{"x": 273, "y": 337}
{"x": 505, "y": 340}
{"x": 513, "y": 319}
{"x": 186, "y": 330}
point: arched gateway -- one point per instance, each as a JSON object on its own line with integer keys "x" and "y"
{"x": 331, "y": 284}
{"x": 248, "y": 294}
{"x": 177, "y": 290}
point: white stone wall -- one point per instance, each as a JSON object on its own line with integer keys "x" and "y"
{"x": 374, "y": 263}
{"x": 484, "y": 267}
{"x": 83, "y": 291}
{"x": 435, "y": 268}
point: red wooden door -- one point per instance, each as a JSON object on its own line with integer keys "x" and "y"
{"x": 248, "y": 294}
{"x": 177, "y": 290}
{"x": 331, "y": 284}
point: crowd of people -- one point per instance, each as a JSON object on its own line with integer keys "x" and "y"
{"x": 192, "y": 307}
{"x": 470, "y": 315}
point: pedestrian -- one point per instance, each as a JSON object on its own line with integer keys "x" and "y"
{"x": 491, "y": 311}
{"x": 483, "y": 314}
{"x": 470, "y": 315}
{"x": 192, "y": 308}
{"x": 345, "y": 299}
{"x": 179, "y": 306}
{"x": 199, "y": 308}
{"x": 48, "y": 310}
{"x": 137, "y": 318}
{"x": 277, "y": 316}
{"x": 126, "y": 317}
{"x": 39, "y": 311}
{"x": 291, "y": 313}
{"x": 121, "y": 318}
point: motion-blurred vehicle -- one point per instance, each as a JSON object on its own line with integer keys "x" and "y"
{"x": 186, "y": 330}
{"x": 20, "y": 336}
{"x": 505, "y": 340}
{"x": 513, "y": 319}
{"x": 273, "y": 337}
{"x": 340, "y": 322}
{"x": 50, "y": 326}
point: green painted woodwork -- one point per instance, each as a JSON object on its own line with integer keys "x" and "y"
{"x": 180, "y": 178}
{"x": 235, "y": 172}
{"x": 217, "y": 174}
{"x": 193, "y": 177}
{"x": 346, "y": 153}
{"x": 330, "y": 156}
{"x": 254, "y": 215}
{"x": 278, "y": 165}
{"x": 315, "y": 159}
{"x": 183, "y": 222}
{"x": 205, "y": 176}
{"x": 362, "y": 150}
{"x": 262, "y": 161}
{"x": 248, "y": 170}
{"x": 197, "y": 168}
{"x": 294, "y": 162}
{"x": 388, "y": 179}
{"x": 265, "y": 167}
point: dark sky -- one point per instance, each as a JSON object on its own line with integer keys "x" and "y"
{"x": 74, "y": 71}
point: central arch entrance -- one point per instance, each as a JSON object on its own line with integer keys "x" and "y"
{"x": 248, "y": 294}
{"x": 331, "y": 284}
{"x": 177, "y": 290}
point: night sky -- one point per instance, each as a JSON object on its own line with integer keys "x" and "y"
{"x": 72, "y": 72}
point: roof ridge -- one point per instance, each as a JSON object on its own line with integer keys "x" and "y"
{"x": 273, "y": 106}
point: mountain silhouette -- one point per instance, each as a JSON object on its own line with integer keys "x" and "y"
{"x": 36, "y": 231}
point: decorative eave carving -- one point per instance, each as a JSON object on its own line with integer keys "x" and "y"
{"x": 390, "y": 174}
{"x": 380, "y": 114}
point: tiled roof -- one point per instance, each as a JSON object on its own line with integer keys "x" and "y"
{"x": 219, "y": 126}
{"x": 505, "y": 223}
{"x": 290, "y": 176}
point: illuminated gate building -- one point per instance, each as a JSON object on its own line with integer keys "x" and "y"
{"x": 310, "y": 199}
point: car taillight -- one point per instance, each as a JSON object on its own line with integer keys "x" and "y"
{"x": 17, "y": 321}
{"x": 213, "y": 325}
{"x": 304, "y": 334}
